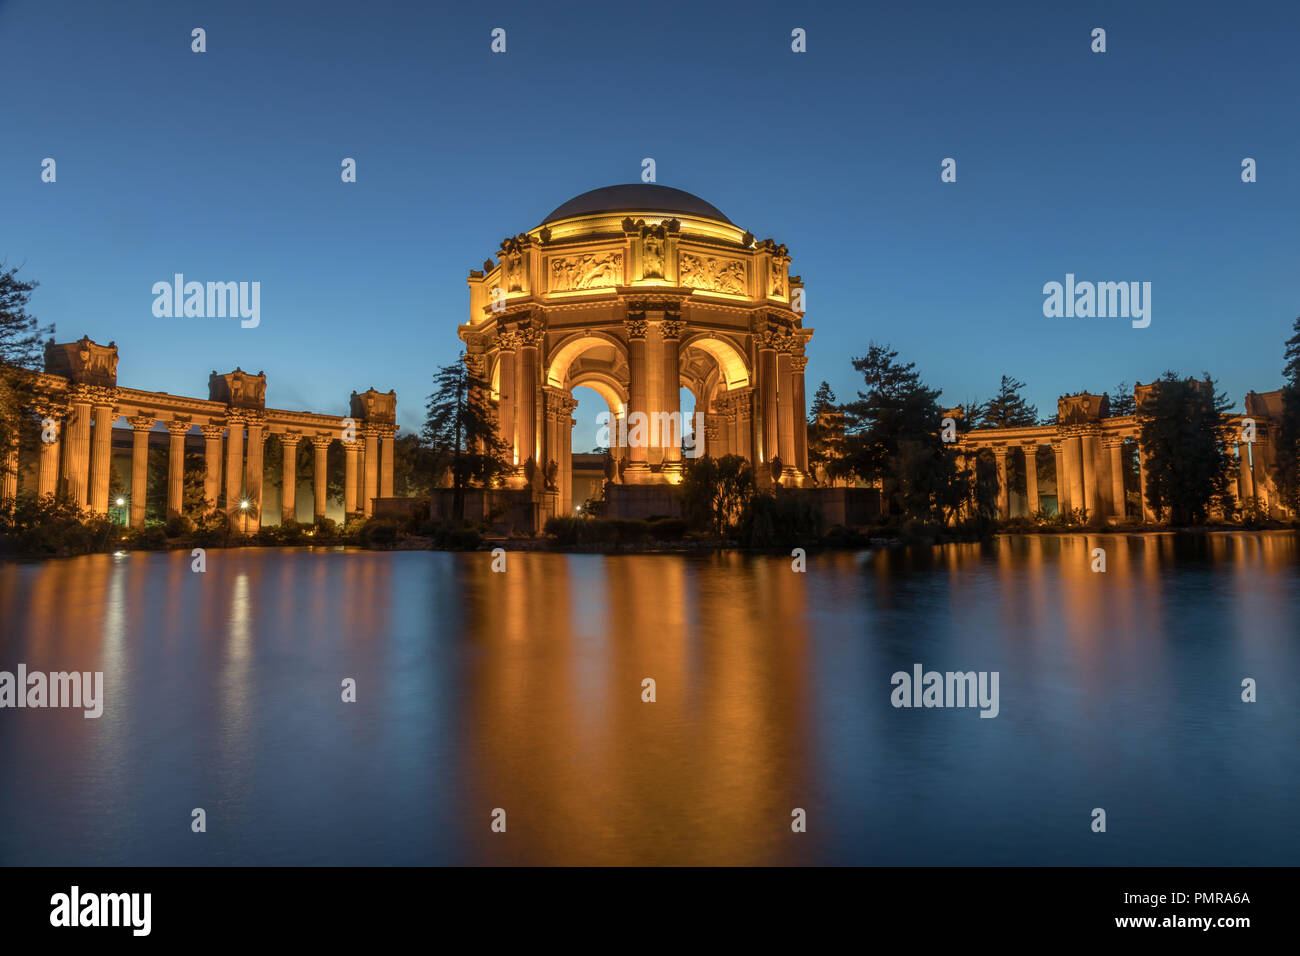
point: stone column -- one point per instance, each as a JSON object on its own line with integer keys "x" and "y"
{"x": 1116, "y": 446}
{"x": 526, "y": 401}
{"x": 745, "y": 425}
{"x": 1031, "y": 478}
{"x": 351, "y": 487}
{"x": 386, "y": 462}
{"x": 671, "y": 330}
{"x": 1074, "y": 471}
{"x": 372, "y": 470}
{"x": 1245, "y": 480}
{"x": 101, "y": 460}
{"x": 1088, "y": 445}
{"x": 178, "y": 428}
{"x": 1261, "y": 456}
{"x": 508, "y": 343}
{"x": 638, "y": 466}
{"x": 76, "y": 447}
{"x": 767, "y": 410}
{"x": 798, "y": 365}
{"x": 140, "y": 428}
{"x": 551, "y": 426}
{"x": 565, "y": 438}
{"x": 320, "y": 448}
{"x": 47, "y": 469}
{"x": 9, "y": 474}
{"x": 289, "y": 475}
{"x": 785, "y": 411}
{"x": 1004, "y": 487}
{"x": 253, "y": 468}
{"x": 1062, "y": 482}
{"x": 234, "y": 460}
{"x": 212, "y": 464}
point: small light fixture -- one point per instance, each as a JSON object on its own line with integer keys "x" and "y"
{"x": 120, "y": 502}
{"x": 243, "y": 505}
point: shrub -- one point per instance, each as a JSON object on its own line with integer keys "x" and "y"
{"x": 379, "y": 534}
{"x": 780, "y": 520}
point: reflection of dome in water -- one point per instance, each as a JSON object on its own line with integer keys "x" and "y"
{"x": 636, "y": 197}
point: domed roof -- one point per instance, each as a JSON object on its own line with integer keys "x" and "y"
{"x": 636, "y": 197}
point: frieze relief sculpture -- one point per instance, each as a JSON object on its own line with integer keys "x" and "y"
{"x": 715, "y": 275}
{"x": 594, "y": 270}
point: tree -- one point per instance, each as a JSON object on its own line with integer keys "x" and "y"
{"x": 1186, "y": 442}
{"x": 893, "y": 438}
{"x": 716, "y": 491}
{"x": 21, "y": 355}
{"x": 1286, "y": 471}
{"x": 1007, "y": 409}
{"x": 461, "y": 433}
{"x": 1121, "y": 401}
{"x": 826, "y": 445}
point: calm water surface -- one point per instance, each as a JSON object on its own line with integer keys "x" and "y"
{"x": 522, "y": 691}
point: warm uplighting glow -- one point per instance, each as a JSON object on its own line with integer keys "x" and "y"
{"x": 243, "y": 505}
{"x": 120, "y": 502}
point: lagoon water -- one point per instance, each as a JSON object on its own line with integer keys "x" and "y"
{"x": 523, "y": 691}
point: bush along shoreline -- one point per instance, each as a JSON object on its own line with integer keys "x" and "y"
{"x": 51, "y": 527}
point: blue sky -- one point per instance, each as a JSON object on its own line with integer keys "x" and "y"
{"x": 1122, "y": 166}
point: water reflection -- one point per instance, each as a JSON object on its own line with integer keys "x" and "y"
{"x": 523, "y": 691}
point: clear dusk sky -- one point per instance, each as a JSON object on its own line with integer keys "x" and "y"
{"x": 224, "y": 166}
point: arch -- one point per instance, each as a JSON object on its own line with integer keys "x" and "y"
{"x": 606, "y": 386}
{"x": 735, "y": 370}
{"x": 567, "y": 350}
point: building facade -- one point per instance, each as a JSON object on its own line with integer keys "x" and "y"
{"x": 82, "y": 402}
{"x": 638, "y": 291}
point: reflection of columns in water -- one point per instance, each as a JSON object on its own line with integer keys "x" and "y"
{"x": 289, "y": 475}
{"x": 141, "y": 425}
{"x": 1030, "y": 450}
{"x": 212, "y": 464}
{"x": 101, "y": 462}
{"x": 1004, "y": 489}
{"x": 177, "y": 429}
{"x": 320, "y": 449}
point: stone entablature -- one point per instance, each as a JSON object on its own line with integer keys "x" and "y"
{"x": 81, "y": 400}
{"x": 636, "y": 304}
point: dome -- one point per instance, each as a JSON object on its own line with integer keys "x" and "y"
{"x": 636, "y": 197}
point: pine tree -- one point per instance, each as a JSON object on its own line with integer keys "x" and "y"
{"x": 1185, "y": 439}
{"x": 826, "y": 445}
{"x": 461, "y": 432}
{"x": 1008, "y": 409}
{"x": 893, "y": 438}
{"x": 1286, "y": 471}
{"x": 1121, "y": 401}
{"x": 21, "y": 354}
